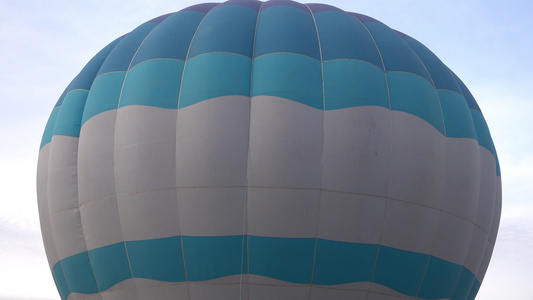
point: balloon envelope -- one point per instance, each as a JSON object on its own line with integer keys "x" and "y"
{"x": 267, "y": 150}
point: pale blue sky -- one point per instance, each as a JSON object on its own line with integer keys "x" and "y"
{"x": 44, "y": 44}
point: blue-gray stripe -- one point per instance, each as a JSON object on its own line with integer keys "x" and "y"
{"x": 286, "y": 259}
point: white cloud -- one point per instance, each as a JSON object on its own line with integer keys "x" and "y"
{"x": 509, "y": 274}
{"x": 25, "y": 272}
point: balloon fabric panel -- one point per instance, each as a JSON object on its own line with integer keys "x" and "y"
{"x": 267, "y": 149}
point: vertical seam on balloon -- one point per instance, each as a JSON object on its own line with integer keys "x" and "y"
{"x": 66, "y": 281}
{"x": 115, "y": 154}
{"x": 495, "y": 221}
{"x": 245, "y": 224}
{"x": 84, "y": 242}
{"x": 322, "y": 150}
{"x": 444, "y": 166}
{"x": 432, "y": 83}
{"x": 46, "y": 221}
{"x": 458, "y": 82}
{"x": 53, "y": 128}
{"x": 115, "y": 42}
{"x": 497, "y": 211}
{"x": 51, "y": 232}
{"x": 458, "y": 279}
{"x": 387, "y": 196}
{"x": 480, "y": 274}
{"x": 176, "y": 150}
{"x": 484, "y": 266}
{"x": 60, "y": 107}
{"x": 495, "y": 184}
{"x": 81, "y": 223}
{"x": 487, "y": 242}
{"x": 48, "y": 197}
{"x": 76, "y": 208}
{"x": 464, "y": 268}
{"x": 77, "y": 166}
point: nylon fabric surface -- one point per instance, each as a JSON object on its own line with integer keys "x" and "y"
{"x": 267, "y": 149}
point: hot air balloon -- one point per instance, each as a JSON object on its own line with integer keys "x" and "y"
{"x": 267, "y": 150}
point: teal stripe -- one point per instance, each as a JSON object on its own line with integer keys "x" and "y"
{"x": 49, "y": 128}
{"x": 457, "y": 117}
{"x": 110, "y": 265}
{"x": 415, "y": 95}
{"x": 400, "y": 270}
{"x": 214, "y": 75}
{"x": 60, "y": 281}
{"x": 482, "y": 130}
{"x": 474, "y": 290}
{"x": 290, "y": 76}
{"x": 341, "y": 262}
{"x": 79, "y": 273}
{"x": 350, "y": 83}
{"x": 153, "y": 83}
{"x": 70, "y": 112}
{"x": 464, "y": 285}
{"x": 483, "y": 134}
{"x": 287, "y": 259}
{"x": 214, "y": 256}
{"x": 440, "y": 276}
{"x": 158, "y": 259}
{"x": 104, "y": 94}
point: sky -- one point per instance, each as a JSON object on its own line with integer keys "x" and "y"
{"x": 44, "y": 44}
